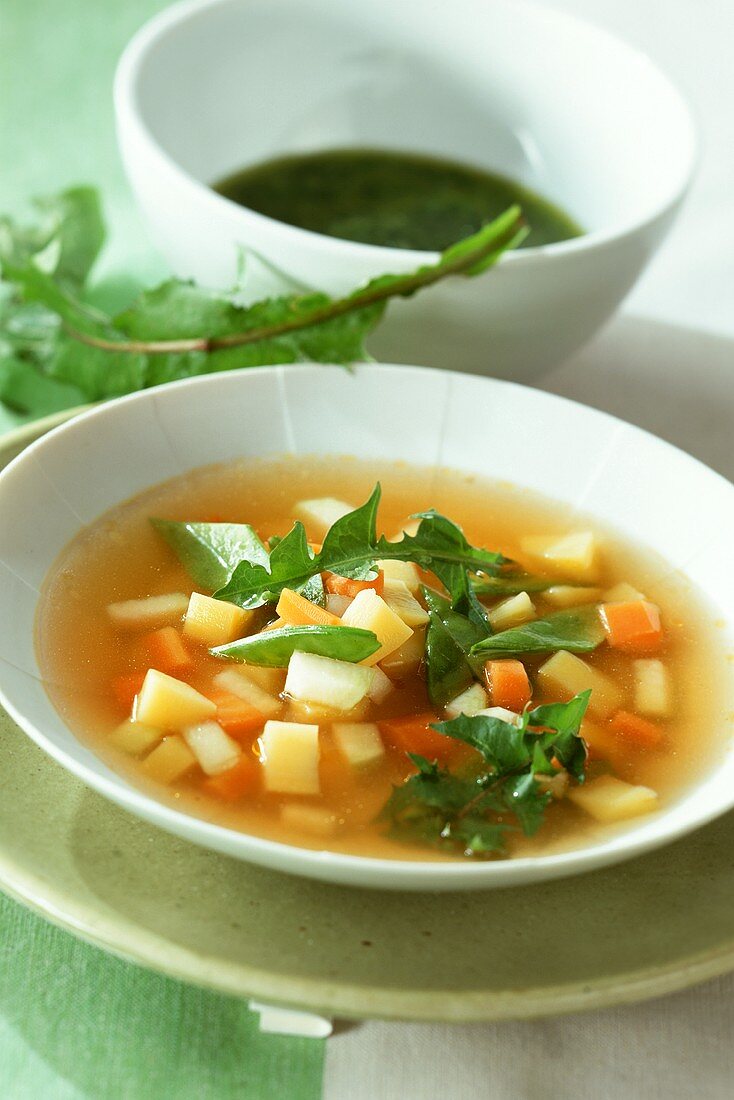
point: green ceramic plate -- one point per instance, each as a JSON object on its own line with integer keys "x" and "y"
{"x": 641, "y": 929}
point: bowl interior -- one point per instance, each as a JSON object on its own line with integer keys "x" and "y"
{"x": 558, "y": 104}
{"x": 645, "y": 488}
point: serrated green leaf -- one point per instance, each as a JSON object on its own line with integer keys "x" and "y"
{"x": 210, "y": 551}
{"x": 578, "y": 630}
{"x": 274, "y": 648}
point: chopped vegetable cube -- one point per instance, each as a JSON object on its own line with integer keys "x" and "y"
{"x": 239, "y": 682}
{"x": 319, "y": 515}
{"x": 652, "y": 688}
{"x": 290, "y": 757}
{"x": 512, "y": 612}
{"x": 381, "y": 686}
{"x": 215, "y": 751}
{"x": 170, "y": 704}
{"x": 633, "y": 625}
{"x": 575, "y": 554}
{"x": 295, "y": 610}
{"x": 469, "y": 702}
{"x": 622, "y": 593}
{"x": 567, "y": 675}
{"x": 571, "y": 595}
{"x": 337, "y": 605}
{"x": 213, "y": 622}
{"x": 148, "y": 613}
{"x": 236, "y": 782}
{"x": 637, "y": 731}
{"x": 413, "y": 733}
{"x": 609, "y": 799}
{"x": 602, "y": 743}
{"x": 327, "y": 682}
{"x": 126, "y": 688}
{"x": 404, "y": 660}
{"x": 358, "y": 742}
{"x": 405, "y": 571}
{"x": 166, "y": 651}
{"x": 347, "y": 586}
{"x": 314, "y": 820}
{"x": 236, "y": 716}
{"x": 271, "y": 680}
{"x": 508, "y": 684}
{"x": 134, "y": 738}
{"x": 505, "y": 715}
{"x": 171, "y": 760}
{"x": 370, "y": 612}
{"x": 400, "y": 599}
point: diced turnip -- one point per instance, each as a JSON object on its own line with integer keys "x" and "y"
{"x": 326, "y": 682}
{"x": 148, "y": 613}
{"x": 609, "y": 799}
{"x": 370, "y": 612}
{"x": 569, "y": 595}
{"x": 171, "y": 760}
{"x": 404, "y": 660}
{"x": 212, "y": 747}
{"x": 575, "y": 554}
{"x": 400, "y": 599}
{"x": 336, "y": 604}
{"x": 238, "y": 681}
{"x": 652, "y": 688}
{"x": 313, "y": 820}
{"x": 469, "y": 702}
{"x": 213, "y": 622}
{"x": 503, "y": 714}
{"x": 290, "y": 757}
{"x": 405, "y": 571}
{"x": 564, "y": 674}
{"x": 622, "y": 593}
{"x": 319, "y": 515}
{"x": 381, "y": 686}
{"x": 170, "y": 704}
{"x": 135, "y": 738}
{"x": 512, "y": 612}
{"x": 358, "y": 742}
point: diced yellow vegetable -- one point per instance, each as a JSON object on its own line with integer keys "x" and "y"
{"x": 566, "y": 675}
{"x": 336, "y": 604}
{"x": 608, "y": 799}
{"x": 404, "y": 660}
{"x": 315, "y": 820}
{"x": 400, "y": 599}
{"x": 148, "y": 613}
{"x": 575, "y": 554}
{"x": 569, "y": 595}
{"x": 213, "y": 622}
{"x": 319, "y": 515}
{"x": 326, "y": 682}
{"x": 239, "y": 682}
{"x": 505, "y": 715}
{"x": 299, "y": 711}
{"x": 370, "y": 612}
{"x": 135, "y": 738}
{"x": 381, "y": 686}
{"x": 603, "y": 743}
{"x": 170, "y": 761}
{"x": 290, "y": 757}
{"x": 212, "y": 747}
{"x": 358, "y": 742}
{"x": 169, "y": 704}
{"x": 469, "y": 702}
{"x": 622, "y": 593}
{"x": 271, "y": 680}
{"x": 512, "y": 612}
{"x": 653, "y": 694}
{"x": 405, "y": 571}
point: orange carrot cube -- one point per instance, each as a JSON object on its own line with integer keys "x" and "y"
{"x": 508, "y": 684}
{"x": 637, "y": 731}
{"x": 345, "y": 586}
{"x": 413, "y": 733}
{"x": 295, "y": 610}
{"x": 236, "y": 782}
{"x": 236, "y": 716}
{"x": 125, "y": 688}
{"x": 167, "y": 651}
{"x": 633, "y": 625}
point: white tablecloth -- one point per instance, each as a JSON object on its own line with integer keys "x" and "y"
{"x": 667, "y": 363}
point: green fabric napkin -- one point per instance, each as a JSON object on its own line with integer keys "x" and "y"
{"x": 75, "y": 1022}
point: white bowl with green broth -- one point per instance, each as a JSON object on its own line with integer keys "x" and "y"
{"x": 660, "y": 521}
{"x": 212, "y": 87}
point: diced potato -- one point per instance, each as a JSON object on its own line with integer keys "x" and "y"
{"x": 135, "y": 738}
{"x": 359, "y": 742}
{"x": 566, "y": 675}
{"x": 326, "y": 682}
{"x": 170, "y": 761}
{"x": 652, "y": 688}
{"x": 213, "y": 622}
{"x": 608, "y": 799}
{"x": 469, "y": 702}
{"x": 557, "y": 784}
{"x": 336, "y": 604}
{"x": 512, "y": 612}
{"x": 575, "y": 554}
{"x": 404, "y": 660}
{"x": 569, "y": 595}
{"x": 148, "y": 613}
{"x": 400, "y": 599}
{"x": 315, "y": 820}
{"x": 405, "y": 571}
{"x": 170, "y": 704}
{"x": 299, "y": 711}
{"x": 503, "y": 714}
{"x": 212, "y": 747}
{"x": 380, "y": 687}
{"x": 622, "y": 593}
{"x": 290, "y": 757}
{"x": 271, "y": 680}
{"x": 370, "y": 612}
{"x": 239, "y": 682}
{"x": 319, "y": 515}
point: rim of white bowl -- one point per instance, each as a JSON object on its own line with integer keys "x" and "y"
{"x": 127, "y": 109}
{"x": 356, "y": 870}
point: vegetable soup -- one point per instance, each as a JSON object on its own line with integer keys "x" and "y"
{"x": 381, "y": 659}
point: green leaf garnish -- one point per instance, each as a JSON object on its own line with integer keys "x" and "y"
{"x": 210, "y": 552}
{"x": 578, "y": 630}
{"x": 274, "y": 648}
{"x": 449, "y": 638}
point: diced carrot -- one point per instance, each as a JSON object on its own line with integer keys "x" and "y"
{"x": 236, "y": 716}
{"x": 413, "y": 733}
{"x": 637, "y": 731}
{"x": 297, "y": 611}
{"x": 167, "y": 651}
{"x": 236, "y": 782}
{"x": 125, "y": 688}
{"x": 508, "y": 684}
{"x": 345, "y": 586}
{"x": 633, "y": 625}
